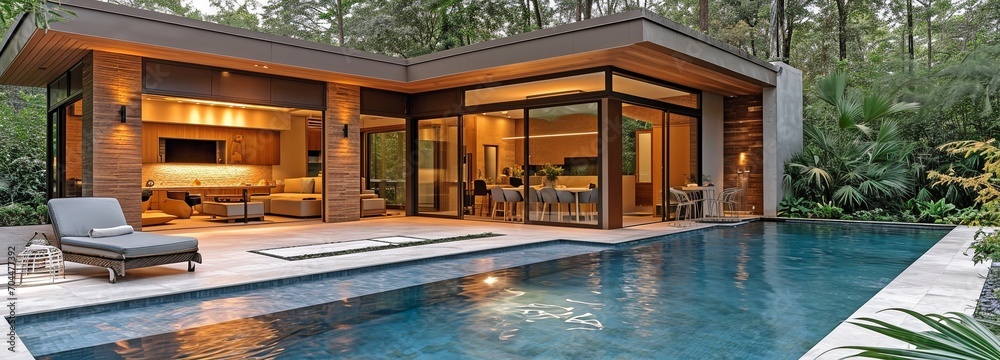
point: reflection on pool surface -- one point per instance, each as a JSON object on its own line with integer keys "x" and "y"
{"x": 759, "y": 291}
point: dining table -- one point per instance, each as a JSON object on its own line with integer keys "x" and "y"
{"x": 706, "y": 192}
{"x": 574, "y": 190}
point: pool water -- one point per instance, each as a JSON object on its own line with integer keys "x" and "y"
{"x": 759, "y": 291}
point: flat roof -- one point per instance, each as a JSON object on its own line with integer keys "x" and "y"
{"x": 639, "y": 41}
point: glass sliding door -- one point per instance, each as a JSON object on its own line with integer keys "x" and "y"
{"x": 438, "y": 188}
{"x": 387, "y": 166}
{"x": 65, "y": 150}
{"x": 563, "y": 164}
{"x": 642, "y": 165}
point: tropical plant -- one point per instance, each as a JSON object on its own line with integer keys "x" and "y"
{"x": 854, "y": 166}
{"x": 953, "y": 335}
{"x": 986, "y": 183}
{"x": 934, "y": 211}
{"x": 550, "y": 172}
{"x": 795, "y": 207}
{"x": 985, "y": 246}
{"x": 827, "y": 210}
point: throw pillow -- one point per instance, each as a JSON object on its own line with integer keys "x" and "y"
{"x": 307, "y": 185}
{"x": 112, "y": 231}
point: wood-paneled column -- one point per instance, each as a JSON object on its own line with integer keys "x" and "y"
{"x": 342, "y": 168}
{"x": 112, "y": 150}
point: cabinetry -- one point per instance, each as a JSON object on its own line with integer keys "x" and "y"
{"x": 314, "y": 146}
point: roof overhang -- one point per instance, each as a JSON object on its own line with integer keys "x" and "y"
{"x": 638, "y": 41}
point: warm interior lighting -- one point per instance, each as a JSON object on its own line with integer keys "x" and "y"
{"x": 490, "y": 280}
{"x": 213, "y": 103}
{"x": 551, "y": 135}
{"x": 556, "y": 93}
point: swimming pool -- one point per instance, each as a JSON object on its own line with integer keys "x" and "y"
{"x": 764, "y": 290}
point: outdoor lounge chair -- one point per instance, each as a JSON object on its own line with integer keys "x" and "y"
{"x": 93, "y": 231}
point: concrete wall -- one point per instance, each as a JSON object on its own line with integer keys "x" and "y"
{"x": 342, "y": 174}
{"x": 112, "y": 160}
{"x": 712, "y": 137}
{"x": 782, "y": 131}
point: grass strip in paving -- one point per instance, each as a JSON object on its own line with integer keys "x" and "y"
{"x": 388, "y": 246}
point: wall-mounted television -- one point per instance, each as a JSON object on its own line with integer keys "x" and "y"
{"x": 192, "y": 151}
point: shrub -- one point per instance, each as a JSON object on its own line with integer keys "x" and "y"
{"x": 876, "y": 214}
{"x": 827, "y": 210}
{"x": 795, "y": 207}
{"x": 20, "y": 214}
{"x": 985, "y": 246}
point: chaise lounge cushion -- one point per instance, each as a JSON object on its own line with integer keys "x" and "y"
{"x": 134, "y": 245}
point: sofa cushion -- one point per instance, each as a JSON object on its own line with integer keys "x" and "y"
{"x": 308, "y": 185}
{"x": 137, "y": 244}
{"x": 293, "y": 185}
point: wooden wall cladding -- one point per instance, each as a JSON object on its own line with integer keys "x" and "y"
{"x": 259, "y": 147}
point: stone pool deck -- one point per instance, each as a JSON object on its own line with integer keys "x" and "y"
{"x": 942, "y": 280}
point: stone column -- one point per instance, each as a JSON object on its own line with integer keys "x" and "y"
{"x": 112, "y": 150}
{"x": 342, "y": 165}
{"x": 782, "y": 131}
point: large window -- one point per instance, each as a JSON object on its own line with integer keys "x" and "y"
{"x": 387, "y": 166}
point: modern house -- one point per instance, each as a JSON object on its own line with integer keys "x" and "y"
{"x": 628, "y": 105}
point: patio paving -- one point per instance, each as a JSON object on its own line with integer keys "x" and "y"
{"x": 955, "y": 284}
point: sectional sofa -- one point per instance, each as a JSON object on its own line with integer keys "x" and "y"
{"x": 303, "y": 197}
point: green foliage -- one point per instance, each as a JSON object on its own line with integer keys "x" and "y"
{"x": 795, "y": 207}
{"x": 827, "y": 210}
{"x": 550, "y": 172}
{"x": 878, "y": 214}
{"x": 952, "y": 336}
{"x": 21, "y": 214}
{"x": 934, "y": 211}
{"x": 45, "y": 12}
{"x": 629, "y": 127}
{"x": 985, "y": 246}
{"x": 22, "y": 133}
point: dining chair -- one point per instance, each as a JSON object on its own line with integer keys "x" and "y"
{"x": 479, "y": 189}
{"x": 589, "y": 198}
{"x": 566, "y": 197}
{"x": 498, "y": 200}
{"x": 549, "y": 197}
{"x": 683, "y": 202}
{"x": 535, "y": 201}
{"x": 512, "y": 198}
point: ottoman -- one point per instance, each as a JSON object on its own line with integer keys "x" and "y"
{"x": 232, "y": 210}
{"x": 297, "y": 207}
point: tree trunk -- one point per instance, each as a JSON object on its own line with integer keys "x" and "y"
{"x": 579, "y": 10}
{"x": 340, "y": 23}
{"x": 588, "y": 9}
{"x": 777, "y": 33}
{"x": 785, "y": 49}
{"x": 703, "y": 15}
{"x": 930, "y": 53}
{"x": 909, "y": 32}
{"x": 538, "y": 13}
{"x": 842, "y": 29}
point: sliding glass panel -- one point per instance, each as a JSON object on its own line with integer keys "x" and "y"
{"x": 564, "y": 164}
{"x": 642, "y": 165}
{"x": 438, "y": 167}
{"x": 495, "y": 148}
{"x": 683, "y": 151}
{"x": 387, "y": 166}
{"x": 73, "y": 157}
